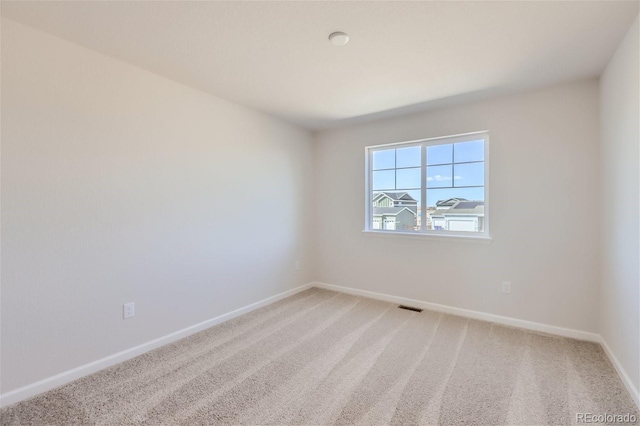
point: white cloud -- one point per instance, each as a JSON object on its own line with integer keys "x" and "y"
{"x": 439, "y": 178}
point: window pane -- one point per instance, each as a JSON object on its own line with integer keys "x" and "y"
{"x": 469, "y": 174}
{"x": 384, "y": 159}
{"x": 439, "y": 176}
{"x": 469, "y": 151}
{"x": 439, "y": 154}
{"x": 471, "y": 194}
{"x": 384, "y": 180}
{"x": 408, "y": 157}
{"x": 408, "y": 178}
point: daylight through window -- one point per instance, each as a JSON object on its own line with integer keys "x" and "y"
{"x": 432, "y": 186}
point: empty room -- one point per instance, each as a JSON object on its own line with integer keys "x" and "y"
{"x": 318, "y": 212}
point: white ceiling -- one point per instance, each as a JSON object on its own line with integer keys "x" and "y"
{"x": 402, "y": 56}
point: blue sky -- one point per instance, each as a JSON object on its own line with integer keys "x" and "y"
{"x": 445, "y": 177}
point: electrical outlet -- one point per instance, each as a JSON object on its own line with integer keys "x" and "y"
{"x": 129, "y": 310}
{"x": 297, "y": 265}
{"x": 506, "y": 287}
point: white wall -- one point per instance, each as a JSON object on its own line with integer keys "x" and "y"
{"x": 544, "y": 164}
{"x": 620, "y": 157}
{"x": 119, "y": 185}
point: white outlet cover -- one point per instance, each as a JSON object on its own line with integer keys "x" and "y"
{"x": 506, "y": 287}
{"x": 128, "y": 310}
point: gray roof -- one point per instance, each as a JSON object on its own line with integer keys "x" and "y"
{"x": 397, "y": 196}
{"x": 459, "y": 212}
{"x": 468, "y": 205}
{"x": 462, "y": 207}
{"x": 390, "y": 211}
{"x": 449, "y": 202}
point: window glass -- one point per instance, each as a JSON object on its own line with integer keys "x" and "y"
{"x": 439, "y": 154}
{"x": 408, "y": 178}
{"x": 384, "y": 159}
{"x": 440, "y": 176}
{"x": 468, "y": 174}
{"x": 452, "y": 179}
{"x": 468, "y": 151}
{"x": 384, "y": 179}
{"x": 408, "y": 157}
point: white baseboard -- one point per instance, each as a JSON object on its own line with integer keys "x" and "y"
{"x": 63, "y": 378}
{"x": 635, "y": 394}
{"x": 513, "y": 322}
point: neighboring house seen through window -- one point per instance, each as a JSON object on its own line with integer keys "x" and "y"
{"x": 432, "y": 186}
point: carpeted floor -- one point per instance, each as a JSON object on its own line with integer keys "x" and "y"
{"x": 322, "y": 357}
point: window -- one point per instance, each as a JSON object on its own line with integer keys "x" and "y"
{"x": 432, "y": 186}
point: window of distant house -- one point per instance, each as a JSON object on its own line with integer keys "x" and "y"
{"x": 433, "y": 186}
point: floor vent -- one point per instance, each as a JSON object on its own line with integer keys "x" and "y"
{"x": 410, "y": 308}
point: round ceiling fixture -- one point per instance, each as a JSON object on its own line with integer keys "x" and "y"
{"x": 338, "y": 38}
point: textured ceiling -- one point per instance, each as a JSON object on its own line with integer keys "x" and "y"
{"x": 402, "y": 56}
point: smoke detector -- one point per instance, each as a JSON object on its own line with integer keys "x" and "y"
{"x": 338, "y": 38}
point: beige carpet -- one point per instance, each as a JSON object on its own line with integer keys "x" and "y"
{"x": 322, "y": 357}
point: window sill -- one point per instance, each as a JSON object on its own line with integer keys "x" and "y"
{"x": 418, "y": 236}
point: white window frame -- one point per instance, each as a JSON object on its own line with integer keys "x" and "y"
{"x": 423, "y": 143}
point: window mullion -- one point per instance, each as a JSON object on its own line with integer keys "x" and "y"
{"x": 370, "y": 189}
{"x": 423, "y": 188}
